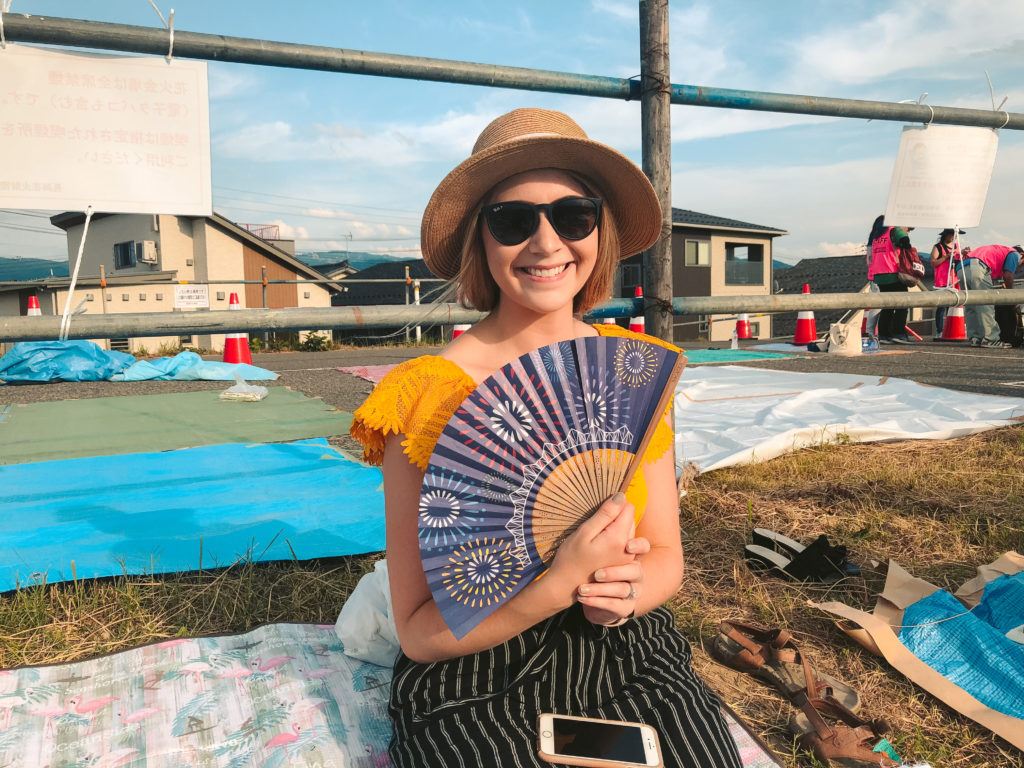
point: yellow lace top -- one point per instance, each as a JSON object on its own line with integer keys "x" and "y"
{"x": 419, "y": 396}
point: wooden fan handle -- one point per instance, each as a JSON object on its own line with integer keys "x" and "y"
{"x": 666, "y": 393}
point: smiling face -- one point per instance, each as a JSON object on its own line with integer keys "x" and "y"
{"x": 544, "y": 272}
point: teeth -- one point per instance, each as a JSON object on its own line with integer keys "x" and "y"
{"x": 545, "y": 272}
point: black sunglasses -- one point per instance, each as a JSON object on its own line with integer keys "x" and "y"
{"x": 573, "y": 218}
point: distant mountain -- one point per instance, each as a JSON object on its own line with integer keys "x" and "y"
{"x": 777, "y": 265}
{"x": 358, "y": 259}
{"x": 31, "y": 269}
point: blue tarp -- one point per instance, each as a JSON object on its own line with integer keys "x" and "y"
{"x": 41, "y": 361}
{"x": 44, "y": 361}
{"x": 968, "y": 650}
{"x": 159, "y": 512}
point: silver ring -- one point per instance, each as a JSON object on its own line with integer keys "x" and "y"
{"x": 632, "y": 593}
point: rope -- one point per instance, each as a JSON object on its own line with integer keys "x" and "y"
{"x": 65, "y": 320}
{"x": 169, "y": 26}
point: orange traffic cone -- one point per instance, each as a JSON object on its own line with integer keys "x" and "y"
{"x": 743, "y": 326}
{"x": 459, "y": 329}
{"x": 236, "y": 345}
{"x": 806, "y": 328}
{"x": 638, "y": 324}
{"x": 954, "y": 328}
{"x": 33, "y": 307}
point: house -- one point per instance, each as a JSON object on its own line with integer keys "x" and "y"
{"x": 395, "y": 290}
{"x": 337, "y": 270}
{"x": 165, "y": 263}
{"x": 713, "y": 256}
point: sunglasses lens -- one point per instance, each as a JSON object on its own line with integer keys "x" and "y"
{"x": 574, "y": 217}
{"x": 511, "y": 223}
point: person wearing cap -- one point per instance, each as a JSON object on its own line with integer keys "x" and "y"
{"x": 945, "y": 250}
{"x": 883, "y": 254}
{"x": 530, "y": 229}
{"x": 980, "y": 267}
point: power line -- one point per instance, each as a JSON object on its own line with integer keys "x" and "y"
{"x": 278, "y": 209}
{"x": 313, "y": 200}
{"x": 25, "y": 213}
{"x": 31, "y": 229}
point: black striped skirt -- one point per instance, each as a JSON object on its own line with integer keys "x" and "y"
{"x": 482, "y": 709}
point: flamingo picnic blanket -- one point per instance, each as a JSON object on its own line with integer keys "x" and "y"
{"x": 280, "y": 695}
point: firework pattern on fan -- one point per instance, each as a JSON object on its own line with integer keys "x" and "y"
{"x": 526, "y": 457}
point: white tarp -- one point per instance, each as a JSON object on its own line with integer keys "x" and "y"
{"x": 124, "y": 134}
{"x": 734, "y": 414}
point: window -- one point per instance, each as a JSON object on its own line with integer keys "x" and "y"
{"x": 632, "y": 276}
{"x": 755, "y": 330}
{"x": 697, "y": 253}
{"x": 124, "y": 255}
{"x": 702, "y": 324}
{"x": 744, "y": 264}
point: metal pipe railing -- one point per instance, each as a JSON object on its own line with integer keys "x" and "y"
{"x": 196, "y": 45}
{"x": 89, "y": 326}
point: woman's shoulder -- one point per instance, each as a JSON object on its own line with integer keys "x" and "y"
{"x": 607, "y": 329}
{"x": 412, "y": 399}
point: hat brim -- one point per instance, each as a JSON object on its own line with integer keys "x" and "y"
{"x": 624, "y": 188}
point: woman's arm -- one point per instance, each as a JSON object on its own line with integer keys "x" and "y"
{"x": 938, "y": 256}
{"x": 422, "y": 632}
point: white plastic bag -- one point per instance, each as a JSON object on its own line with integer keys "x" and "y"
{"x": 249, "y": 393}
{"x": 366, "y": 626}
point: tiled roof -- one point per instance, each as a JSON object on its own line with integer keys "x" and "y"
{"x": 364, "y": 294}
{"x": 684, "y": 217}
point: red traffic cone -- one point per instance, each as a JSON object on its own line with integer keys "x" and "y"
{"x": 236, "y": 345}
{"x": 638, "y": 324}
{"x": 954, "y": 328}
{"x": 33, "y": 307}
{"x": 806, "y": 328}
{"x": 459, "y": 329}
{"x": 743, "y": 327}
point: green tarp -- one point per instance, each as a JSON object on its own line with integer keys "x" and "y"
{"x": 145, "y": 423}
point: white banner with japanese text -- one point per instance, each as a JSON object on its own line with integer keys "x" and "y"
{"x": 125, "y": 134}
{"x": 191, "y": 297}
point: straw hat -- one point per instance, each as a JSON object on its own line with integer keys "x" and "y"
{"x": 526, "y": 140}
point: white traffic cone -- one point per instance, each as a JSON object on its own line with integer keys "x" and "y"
{"x": 33, "y": 307}
{"x": 236, "y": 345}
{"x": 459, "y": 329}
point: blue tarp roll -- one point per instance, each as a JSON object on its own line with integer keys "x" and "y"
{"x": 148, "y": 512}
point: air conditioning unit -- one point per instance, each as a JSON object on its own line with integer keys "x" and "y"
{"x": 145, "y": 251}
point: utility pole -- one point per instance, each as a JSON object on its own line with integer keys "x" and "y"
{"x": 656, "y": 134}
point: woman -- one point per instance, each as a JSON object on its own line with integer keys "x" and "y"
{"x": 884, "y": 245}
{"x": 530, "y": 228}
{"x": 946, "y": 249}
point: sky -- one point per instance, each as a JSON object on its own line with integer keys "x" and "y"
{"x": 347, "y": 161}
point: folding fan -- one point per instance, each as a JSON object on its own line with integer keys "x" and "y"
{"x": 527, "y": 457}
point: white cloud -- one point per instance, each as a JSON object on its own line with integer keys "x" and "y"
{"x": 228, "y": 81}
{"x": 848, "y": 248}
{"x": 624, "y": 11}
{"x": 289, "y": 232}
{"x": 909, "y": 36}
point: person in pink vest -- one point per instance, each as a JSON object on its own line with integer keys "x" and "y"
{"x": 945, "y": 250}
{"x": 883, "y": 255}
{"x": 980, "y": 267}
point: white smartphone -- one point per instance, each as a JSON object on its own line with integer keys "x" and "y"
{"x": 586, "y": 741}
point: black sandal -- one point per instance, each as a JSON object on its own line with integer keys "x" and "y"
{"x": 783, "y": 544}
{"x": 818, "y": 561}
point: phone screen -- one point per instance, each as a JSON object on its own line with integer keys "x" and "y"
{"x": 581, "y": 738}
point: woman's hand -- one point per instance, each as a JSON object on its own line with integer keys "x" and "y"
{"x": 611, "y": 596}
{"x": 599, "y": 543}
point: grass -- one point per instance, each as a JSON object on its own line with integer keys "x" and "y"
{"x": 939, "y": 508}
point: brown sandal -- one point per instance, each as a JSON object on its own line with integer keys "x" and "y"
{"x": 848, "y": 743}
{"x": 772, "y": 656}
